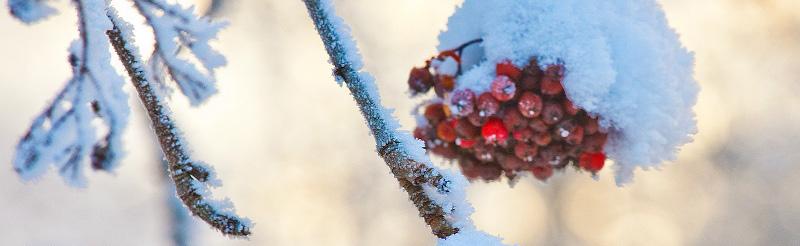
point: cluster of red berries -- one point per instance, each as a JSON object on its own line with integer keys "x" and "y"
{"x": 524, "y": 122}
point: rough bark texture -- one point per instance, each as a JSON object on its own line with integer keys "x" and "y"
{"x": 185, "y": 173}
{"x": 412, "y": 175}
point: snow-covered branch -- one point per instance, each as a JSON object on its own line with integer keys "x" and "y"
{"x": 63, "y": 135}
{"x": 438, "y": 195}
{"x": 192, "y": 178}
{"x": 176, "y": 29}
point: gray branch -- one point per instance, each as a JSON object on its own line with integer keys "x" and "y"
{"x": 190, "y": 177}
{"x": 413, "y": 175}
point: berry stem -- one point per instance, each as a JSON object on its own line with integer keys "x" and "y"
{"x": 460, "y": 49}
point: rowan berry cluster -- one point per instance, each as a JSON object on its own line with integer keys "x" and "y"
{"x": 523, "y": 123}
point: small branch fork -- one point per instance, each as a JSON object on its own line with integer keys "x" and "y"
{"x": 190, "y": 177}
{"x": 415, "y": 176}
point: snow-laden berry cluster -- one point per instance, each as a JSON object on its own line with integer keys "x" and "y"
{"x": 523, "y": 123}
{"x": 621, "y": 61}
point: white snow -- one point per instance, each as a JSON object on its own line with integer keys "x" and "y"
{"x": 64, "y": 135}
{"x": 623, "y": 61}
{"x": 30, "y": 11}
{"x": 177, "y": 28}
{"x": 448, "y": 66}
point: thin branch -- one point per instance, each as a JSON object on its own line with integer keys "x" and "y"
{"x": 191, "y": 178}
{"x": 434, "y": 194}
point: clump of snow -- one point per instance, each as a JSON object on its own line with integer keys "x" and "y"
{"x": 470, "y": 237}
{"x": 623, "y": 62}
{"x": 448, "y": 66}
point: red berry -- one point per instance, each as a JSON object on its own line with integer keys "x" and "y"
{"x": 594, "y": 143}
{"x": 530, "y": 105}
{"x": 524, "y": 135}
{"x": 551, "y": 81}
{"x": 434, "y": 113}
{"x": 552, "y": 113}
{"x": 420, "y": 80}
{"x": 487, "y": 105}
{"x": 555, "y": 71}
{"x": 469, "y": 167}
{"x": 591, "y": 126}
{"x": 525, "y": 151}
{"x": 443, "y": 84}
{"x": 509, "y": 163}
{"x": 542, "y": 139}
{"x": 494, "y": 132}
{"x": 502, "y": 88}
{"x": 570, "y": 108}
{"x": 542, "y": 172}
{"x": 575, "y": 136}
{"x": 490, "y": 172}
{"x": 531, "y": 76}
{"x": 476, "y": 119}
{"x": 513, "y": 119}
{"x": 564, "y": 129}
{"x": 528, "y": 82}
{"x": 465, "y": 129}
{"x": 532, "y": 70}
{"x": 446, "y": 151}
{"x": 425, "y": 133}
{"x": 483, "y": 152}
{"x": 537, "y": 125}
{"x": 507, "y": 68}
{"x": 592, "y": 162}
{"x": 445, "y": 132}
{"x": 553, "y": 154}
{"x": 465, "y": 143}
{"x": 551, "y": 87}
{"x": 463, "y": 102}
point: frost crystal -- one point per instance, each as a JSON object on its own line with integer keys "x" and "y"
{"x": 623, "y": 62}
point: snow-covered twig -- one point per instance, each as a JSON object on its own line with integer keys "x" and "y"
{"x": 438, "y": 195}
{"x": 175, "y": 29}
{"x": 63, "y": 135}
{"x": 192, "y": 178}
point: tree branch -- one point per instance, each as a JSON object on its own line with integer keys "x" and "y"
{"x": 431, "y": 191}
{"x": 191, "y": 178}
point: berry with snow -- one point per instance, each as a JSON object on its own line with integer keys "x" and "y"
{"x": 463, "y": 102}
{"x": 521, "y": 122}
{"x": 530, "y": 105}
{"x": 508, "y": 69}
{"x": 487, "y": 105}
{"x": 420, "y": 80}
{"x": 502, "y": 88}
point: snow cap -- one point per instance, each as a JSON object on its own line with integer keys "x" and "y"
{"x": 623, "y": 62}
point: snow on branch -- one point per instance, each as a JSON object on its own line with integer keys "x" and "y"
{"x": 30, "y": 11}
{"x": 438, "y": 195}
{"x": 64, "y": 135}
{"x": 192, "y": 178}
{"x": 176, "y": 29}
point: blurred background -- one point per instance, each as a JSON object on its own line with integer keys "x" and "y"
{"x": 296, "y": 157}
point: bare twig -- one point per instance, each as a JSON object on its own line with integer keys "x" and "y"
{"x": 426, "y": 186}
{"x": 191, "y": 177}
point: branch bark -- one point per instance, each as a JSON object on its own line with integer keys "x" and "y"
{"x": 190, "y": 177}
{"x": 413, "y": 175}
